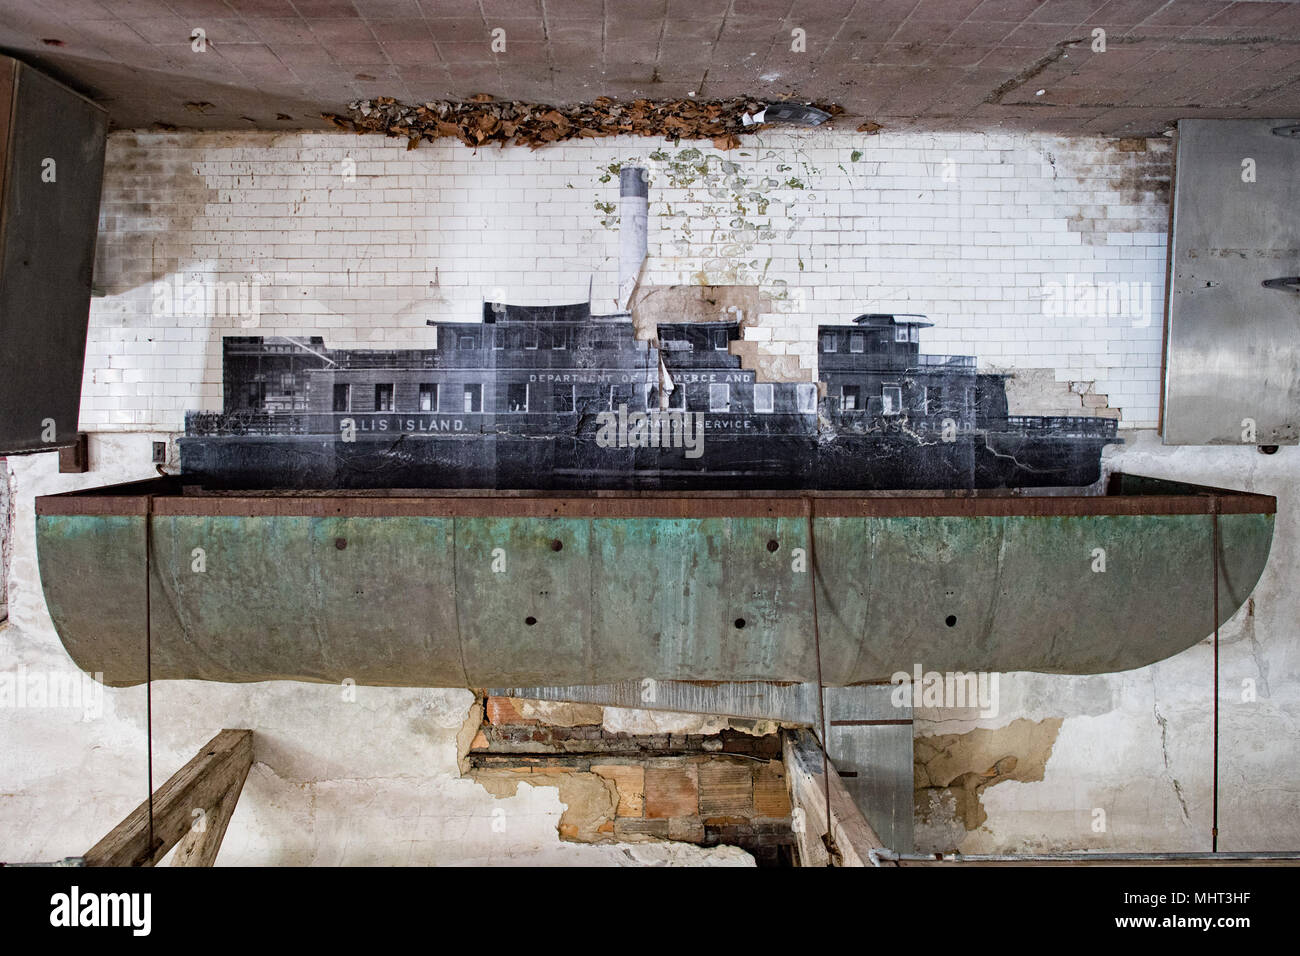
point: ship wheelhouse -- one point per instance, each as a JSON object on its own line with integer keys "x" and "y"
{"x": 876, "y": 377}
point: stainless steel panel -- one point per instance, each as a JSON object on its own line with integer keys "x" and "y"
{"x": 1233, "y": 349}
{"x": 869, "y": 740}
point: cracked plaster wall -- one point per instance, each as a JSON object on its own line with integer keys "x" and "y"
{"x": 1130, "y": 767}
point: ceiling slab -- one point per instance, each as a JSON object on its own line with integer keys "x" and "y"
{"x": 933, "y": 64}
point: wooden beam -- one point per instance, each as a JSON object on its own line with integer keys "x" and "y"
{"x": 211, "y": 782}
{"x": 199, "y": 846}
{"x": 851, "y": 833}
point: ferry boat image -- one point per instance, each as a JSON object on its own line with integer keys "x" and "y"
{"x": 555, "y": 398}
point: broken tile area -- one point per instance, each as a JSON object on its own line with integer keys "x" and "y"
{"x": 693, "y": 779}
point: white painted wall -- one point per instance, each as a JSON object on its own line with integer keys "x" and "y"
{"x": 428, "y": 234}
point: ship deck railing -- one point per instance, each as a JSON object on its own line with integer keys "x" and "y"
{"x": 1067, "y": 426}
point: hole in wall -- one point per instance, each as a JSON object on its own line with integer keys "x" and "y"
{"x": 740, "y": 622}
{"x": 951, "y": 620}
{"x": 557, "y": 545}
{"x": 772, "y": 545}
{"x": 530, "y": 620}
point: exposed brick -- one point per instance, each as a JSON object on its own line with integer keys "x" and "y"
{"x": 503, "y": 710}
{"x": 630, "y": 781}
{"x": 771, "y": 791}
{"x": 671, "y": 792}
{"x": 686, "y": 829}
{"x": 726, "y": 789}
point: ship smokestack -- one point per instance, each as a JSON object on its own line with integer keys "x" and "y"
{"x": 633, "y": 201}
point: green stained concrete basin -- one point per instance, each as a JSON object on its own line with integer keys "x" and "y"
{"x": 481, "y": 590}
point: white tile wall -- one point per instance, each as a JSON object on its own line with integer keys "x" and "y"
{"x": 361, "y": 241}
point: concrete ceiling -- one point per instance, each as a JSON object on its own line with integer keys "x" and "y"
{"x": 935, "y": 64}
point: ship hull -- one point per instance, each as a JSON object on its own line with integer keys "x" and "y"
{"x": 846, "y": 462}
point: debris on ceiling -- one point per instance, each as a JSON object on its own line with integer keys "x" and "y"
{"x": 483, "y": 120}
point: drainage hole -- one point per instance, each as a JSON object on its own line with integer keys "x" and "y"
{"x": 530, "y": 620}
{"x": 772, "y": 546}
{"x": 557, "y": 545}
{"x": 740, "y": 622}
{"x": 951, "y": 620}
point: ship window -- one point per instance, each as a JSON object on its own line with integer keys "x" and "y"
{"x": 900, "y": 333}
{"x": 499, "y": 337}
{"x": 719, "y": 398}
{"x": 621, "y": 395}
{"x": 256, "y": 394}
{"x": 563, "y": 398}
{"x": 851, "y": 397}
{"x": 473, "y": 398}
{"x": 828, "y": 343}
{"x": 428, "y": 398}
{"x": 383, "y": 398}
{"x": 915, "y": 333}
{"x": 517, "y": 397}
{"x": 559, "y": 339}
{"x": 719, "y": 340}
{"x": 286, "y": 382}
{"x": 530, "y": 339}
{"x": 857, "y": 342}
{"x": 762, "y": 398}
{"x": 673, "y": 340}
{"x": 891, "y": 400}
{"x": 342, "y": 398}
{"x": 806, "y": 394}
{"x": 467, "y": 341}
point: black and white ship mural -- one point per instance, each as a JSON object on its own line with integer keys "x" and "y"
{"x": 556, "y": 398}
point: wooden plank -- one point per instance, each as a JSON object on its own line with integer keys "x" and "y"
{"x": 219, "y": 768}
{"x": 200, "y": 847}
{"x": 852, "y": 835}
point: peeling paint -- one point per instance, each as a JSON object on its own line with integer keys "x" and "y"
{"x": 952, "y": 770}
